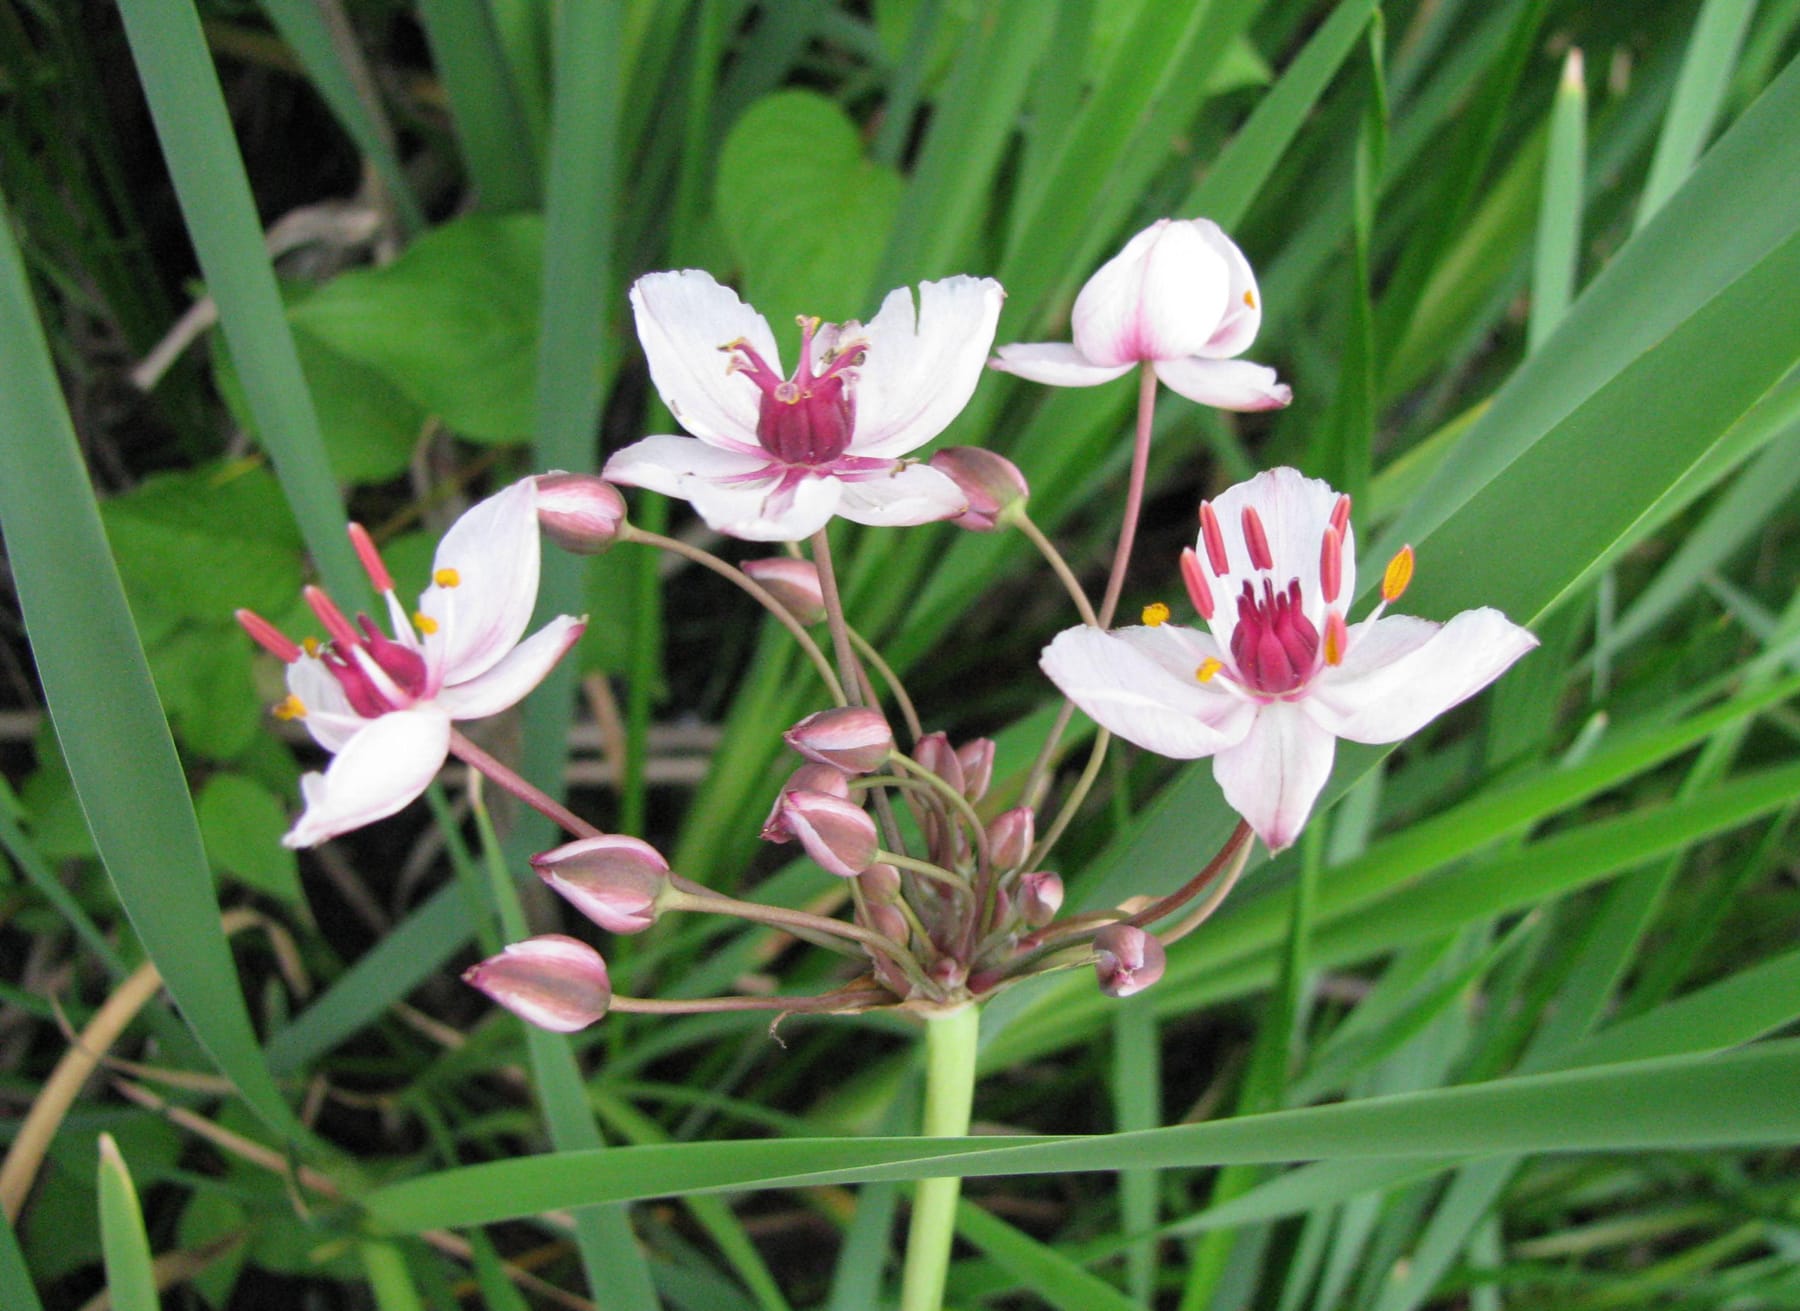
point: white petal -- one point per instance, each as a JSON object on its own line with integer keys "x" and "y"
{"x": 911, "y": 494}
{"x": 1225, "y": 384}
{"x": 916, "y": 378}
{"x": 379, "y": 770}
{"x": 668, "y": 464}
{"x": 1294, "y": 511}
{"x": 683, "y": 320}
{"x": 492, "y": 552}
{"x": 1275, "y": 774}
{"x": 1057, "y": 363}
{"x": 328, "y": 716}
{"x": 522, "y": 669}
{"x": 1141, "y": 684}
{"x": 764, "y": 513}
{"x": 1401, "y": 673}
{"x": 1243, "y": 302}
{"x": 1160, "y": 298}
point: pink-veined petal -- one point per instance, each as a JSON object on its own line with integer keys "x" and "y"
{"x": 683, "y": 320}
{"x": 1273, "y": 777}
{"x": 1225, "y": 384}
{"x": 1243, "y": 302}
{"x": 1160, "y": 298}
{"x": 1400, "y": 673}
{"x": 1294, "y": 511}
{"x": 328, "y": 716}
{"x": 1057, "y": 363}
{"x": 767, "y": 512}
{"x": 1141, "y": 683}
{"x": 920, "y": 373}
{"x": 670, "y": 464}
{"x": 910, "y": 494}
{"x": 380, "y": 770}
{"x": 522, "y": 669}
{"x": 490, "y": 560}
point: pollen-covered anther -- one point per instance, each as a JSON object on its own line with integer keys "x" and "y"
{"x": 1398, "y": 575}
{"x": 424, "y": 623}
{"x": 1256, "y": 539}
{"x": 1209, "y": 669}
{"x": 289, "y": 707}
{"x": 1199, "y": 590}
{"x": 1331, "y": 565}
{"x": 1156, "y": 614}
{"x": 1337, "y": 638}
{"x": 447, "y": 578}
{"x": 1214, "y": 537}
{"x": 1250, "y": 299}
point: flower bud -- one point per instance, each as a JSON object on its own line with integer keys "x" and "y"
{"x": 838, "y": 834}
{"x": 992, "y": 483}
{"x": 808, "y": 778}
{"x": 551, "y": 981}
{"x": 889, "y": 923}
{"x": 977, "y": 760}
{"x": 880, "y": 884}
{"x": 933, "y": 753}
{"x": 855, "y": 739}
{"x": 614, "y": 880}
{"x": 1040, "y": 897}
{"x": 1010, "y": 837}
{"x": 1127, "y": 960}
{"x": 794, "y": 583}
{"x": 580, "y": 512}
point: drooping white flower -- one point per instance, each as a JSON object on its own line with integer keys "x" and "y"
{"x": 774, "y": 456}
{"x": 1280, "y": 676}
{"x": 383, "y": 705}
{"x": 1180, "y": 297}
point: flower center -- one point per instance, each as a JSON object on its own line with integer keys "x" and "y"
{"x": 1274, "y": 645}
{"x": 806, "y": 419}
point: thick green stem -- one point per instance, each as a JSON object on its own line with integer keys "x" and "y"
{"x": 950, "y": 1041}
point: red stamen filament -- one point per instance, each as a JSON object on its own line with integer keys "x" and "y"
{"x": 332, "y": 617}
{"x": 1340, "y": 516}
{"x": 1199, "y": 590}
{"x": 1214, "y": 538}
{"x": 1331, "y": 565}
{"x": 1256, "y": 539}
{"x": 269, "y": 637}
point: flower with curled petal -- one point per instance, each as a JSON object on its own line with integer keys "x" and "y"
{"x": 774, "y": 456}
{"x": 383, "y": 705}
{"x": 1281, "y": 676}
{"x": 1180, "y": 297}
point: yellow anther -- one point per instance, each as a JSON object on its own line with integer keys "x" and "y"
{"x": 290, "y": 707}
{"x": 310, "y": 645}
{"x": 1156, "y": 614}
{"x": 1250, "y": 299}
{"x": 1336, "y": 636}
{"x": 424, "y": 623}
{"x": 446, "y": 578}
{"x": 1399, "y": 574}
{"x": 1206, "y": 671}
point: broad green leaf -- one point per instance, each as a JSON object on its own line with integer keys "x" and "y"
{"x": 242, "y": 822}
{"x": 453, "y": 323}
{"x": 202, "y": 674}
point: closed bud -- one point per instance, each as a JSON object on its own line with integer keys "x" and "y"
{"x": 551, "y": 981}
{"x": 977, "y": 760}
{"x": 889, "y": 923}
{"x": 855, "y": 739}
{"x": 794, "y": 583}
{"x": 1127, "y": 960}
{"x": 614, "y": 880}
{"x": 1010, "y": 837}
{"x": 880, "y": 884}
{"x": 991, "y": 483}
{"x": 838, "y": 834}
{"x": 580, "y": 512}
{"x": 808, "y": 778}
{"x": 1040, "y": 897}
{"x": 933, "y": 753}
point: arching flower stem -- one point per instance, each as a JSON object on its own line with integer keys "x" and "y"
{"x": 509, "y": 781}
{"x": 845, "y": 999}
{"x": 1058, "y": 565}
{"x": 1230, "y": 861}
{"x": 834, "y": 616}
{"x": 1134, "y": 493}
{"x": 1077, "y": 794}
{"x": 908, "y": 711}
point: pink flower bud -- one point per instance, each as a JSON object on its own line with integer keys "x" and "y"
{"x": 551, "y": 981}
{"x": 808, "y": 778}
{"x": 992, "y": 483}
{"x": 1010, "y": 837}
{"x": 614, "y": 880}
{"x": 1040, "y": 897}
{"x": 880, "y": 884}
{"x": 977, "y": 760}
{"x": 1127, "y": 960}
{"x": 794, "y": 583}
{"x": 855, "y": 739}
{"x": 890, "y": 923}
{"x": 580, "y": 512}
{"x": 837, "y": 833}
{"x": 933, "y": 753}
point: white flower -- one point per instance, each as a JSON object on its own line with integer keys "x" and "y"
{"x": 774, "y": 457}
{"x": 384, "y": 705}
{"x": 1180, "y": 297}
{"x": 1281, "y": 676}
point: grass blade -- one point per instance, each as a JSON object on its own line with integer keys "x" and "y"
{"x": 491, "y": 126}
{"x": 130, "y": 1281}
{"x": 1699, "y": 91}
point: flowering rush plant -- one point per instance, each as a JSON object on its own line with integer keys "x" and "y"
{"x": 953, "y": 894}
